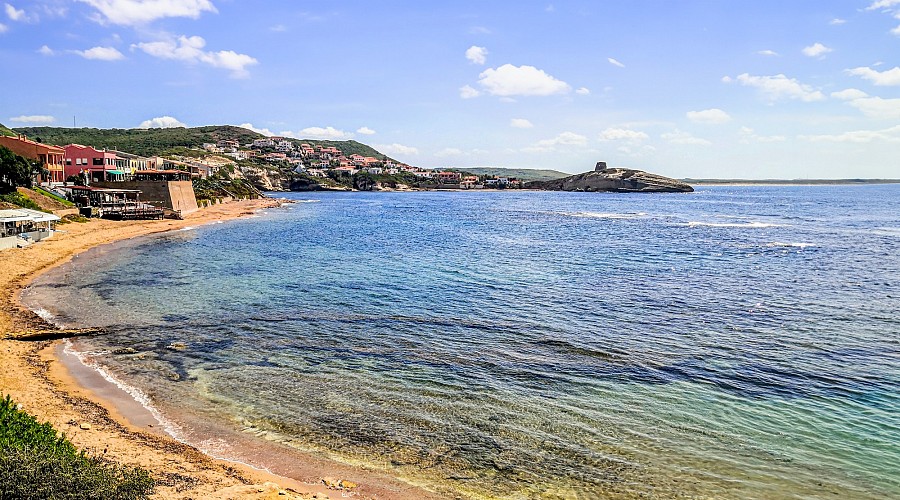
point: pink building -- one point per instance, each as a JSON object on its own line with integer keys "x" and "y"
{"x": 101, "y": 165}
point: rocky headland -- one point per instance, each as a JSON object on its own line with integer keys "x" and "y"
{"x": 617, "y": 180}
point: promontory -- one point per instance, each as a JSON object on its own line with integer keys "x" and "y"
{"x": 617, "y": 180}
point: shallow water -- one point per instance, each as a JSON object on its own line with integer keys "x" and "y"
{"x": 736, "y": 342}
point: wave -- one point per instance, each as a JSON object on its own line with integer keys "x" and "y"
{"x": 792, "y": 245}
{"x": 188, "y": 228}
{"x": 749, "y": 225}
{"x": 45, "y": 315}
{"x": 603, "y": 215}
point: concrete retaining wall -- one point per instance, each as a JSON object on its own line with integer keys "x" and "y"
{"x": 177, "y": 195}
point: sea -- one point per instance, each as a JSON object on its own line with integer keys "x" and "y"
{"x": 734, "y": 342}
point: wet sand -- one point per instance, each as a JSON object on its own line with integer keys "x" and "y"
{"x": 56, "y": 387}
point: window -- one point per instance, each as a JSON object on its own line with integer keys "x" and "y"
{"x": 98, "y": 162}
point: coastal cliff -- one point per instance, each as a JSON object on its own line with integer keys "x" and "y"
{"x": 618, "y": 180}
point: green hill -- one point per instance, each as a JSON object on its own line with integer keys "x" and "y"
{"x": 525, "y": 174}
{"x": 6, "y": 131}
{"x": 157, "y": 141}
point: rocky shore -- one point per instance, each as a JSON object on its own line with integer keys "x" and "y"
{"x": 617, "y": 180}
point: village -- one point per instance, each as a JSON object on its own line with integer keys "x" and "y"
{"x": 116, "y": 184}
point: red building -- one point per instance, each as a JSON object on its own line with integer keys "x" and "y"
{"x": 50, "y": 157}
{"x": 100, "y": 165}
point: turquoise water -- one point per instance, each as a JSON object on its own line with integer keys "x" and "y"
{"x": 735, "y": 342}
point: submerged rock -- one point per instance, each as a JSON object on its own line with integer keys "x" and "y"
{"x": 617, "y": 180}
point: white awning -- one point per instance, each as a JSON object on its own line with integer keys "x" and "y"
{"x": 25, "y": 214}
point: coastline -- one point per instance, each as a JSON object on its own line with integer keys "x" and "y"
{"x": 36, "y": 375}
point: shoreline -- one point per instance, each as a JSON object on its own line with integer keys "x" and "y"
{"x": 51, "y": 387}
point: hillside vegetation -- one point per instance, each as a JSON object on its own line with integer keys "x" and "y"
{"x": 159, "y": 141}
{"x": 6, "y": 131}
{"x": 525, "y": 174}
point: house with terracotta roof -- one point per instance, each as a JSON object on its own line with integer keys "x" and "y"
{"x": 51, "y": 158}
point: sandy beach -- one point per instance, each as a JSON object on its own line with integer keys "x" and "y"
{"x": 34, "y": 376}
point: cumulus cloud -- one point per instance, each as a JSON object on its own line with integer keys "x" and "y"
{"x": 509, "y": 80}
{"x": 767, "y": 53}
{"x": 623, "y": 134}
{"x": 837, "y": 21}
{"x": 3, "y": 28}
{"x": 190, "y": 50}
{"x": 326, "y": 133}
{"x": 468, "y": 92}
{"x": 816, "y": 50}
{"x": 46, "y": 51}
{"x": 849, "y": 94}
{"x": 396, "y": 149}
{"x": 891, "y": 134}
{"x": 365, "y": 131}
{"x": 449, "y": 152}
{"x": 712, "y": 116}
{"x": 748, "y": 135}
{"x": 583, "y": 91}
{"x": 476, "y": 54}
{"x": 877, "y": 107}
{"x": 15, "y": 14}
{"x": 161, "y": 122}
{"x": 101, "y": 54}
{"x": 684, "y": 138}
{"x": 137, "y": 12}
{"x": 551, "y": 145}
{"x": 890, "y": 77}
{"x": 520, "y": 123}
{"x": 778, "y": 87}
{"x": 615, "y": 62}
{"x": 883, "y": 4}
{"x": 33, "y": 119}
{"x": 264, "y": 131}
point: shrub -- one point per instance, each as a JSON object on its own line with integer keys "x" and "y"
{"x": 35, "y": 462}
{"x": 17, "y": 198}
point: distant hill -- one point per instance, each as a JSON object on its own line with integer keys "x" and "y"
{"x": 525, "y": 174}
{"x": 5, "y": 131}
{"x": 155, "y": 141}
{"x": 781, "y": 182}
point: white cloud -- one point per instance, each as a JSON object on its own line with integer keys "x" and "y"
{"x": 46, "y": 51}
{"x": 883, "y": 4}
{"x": 365, "y": 131}
{"x": 615, "y": 62}
{"x": 816, "y": 50}
{"x": 137, "y": 12}
{"x": 767, "y": 53}
{"x": 326, "y": 133}
{"x": 278, "y": 28}
{"x": 3, "y": 28}
{"x": 778, "y": 87}
{"x": 509, "y": 80}
{"x": 551, "y": 145}
{"x": 520, "y": 123}
{"x": 849, "y": 94}
{"x": 858, "y": 136}
{"x": 890, "y": 77}
{"x": 396, "y": 149}
{"x": 713, "y": 116}
{"x": 684, "y": 138}
{"x": 449, "y": 152}
{"x": 15, "y": 14}
{"x": 476, "y": 54}
{"x": 467, "y": 92}
{"x": 101, "y": 54}
{"x": 837, "y": 21}
{"x": 623, "y": 134}
{"x": 748, "y": 135}
{"x": 264, "y": 131}
{"x": 161, "y": 122}
{"x": 877, "y": 107}
{"x": 583, "y": 91}
{"x": 190, "y": 50}
{"x": 33, "y": 119}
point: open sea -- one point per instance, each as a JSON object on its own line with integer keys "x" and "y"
{"x": 735, "y": 342}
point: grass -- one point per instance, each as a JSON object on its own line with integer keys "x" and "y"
{"x": 36, "y": 462}
{"x": 17, "y": 198}
{"x": 54, "y": 196}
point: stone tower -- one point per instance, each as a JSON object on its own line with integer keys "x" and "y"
{"x": 601, "y": 166}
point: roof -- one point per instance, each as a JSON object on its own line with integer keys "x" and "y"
{"x": 149, "y": 172}
{"x": 21, "y": 214}
{"x": 104, "y": 190}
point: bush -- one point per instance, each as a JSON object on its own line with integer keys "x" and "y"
{"x": 37, "y": 463}
{"x": 17, "y": 198}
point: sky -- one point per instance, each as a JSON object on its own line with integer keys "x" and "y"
{"x": 704, "y": 89}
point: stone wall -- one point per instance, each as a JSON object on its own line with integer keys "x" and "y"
{"x": 177, "y": 195}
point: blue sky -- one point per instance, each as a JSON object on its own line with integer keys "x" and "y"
{"x": 798, "y": 89}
